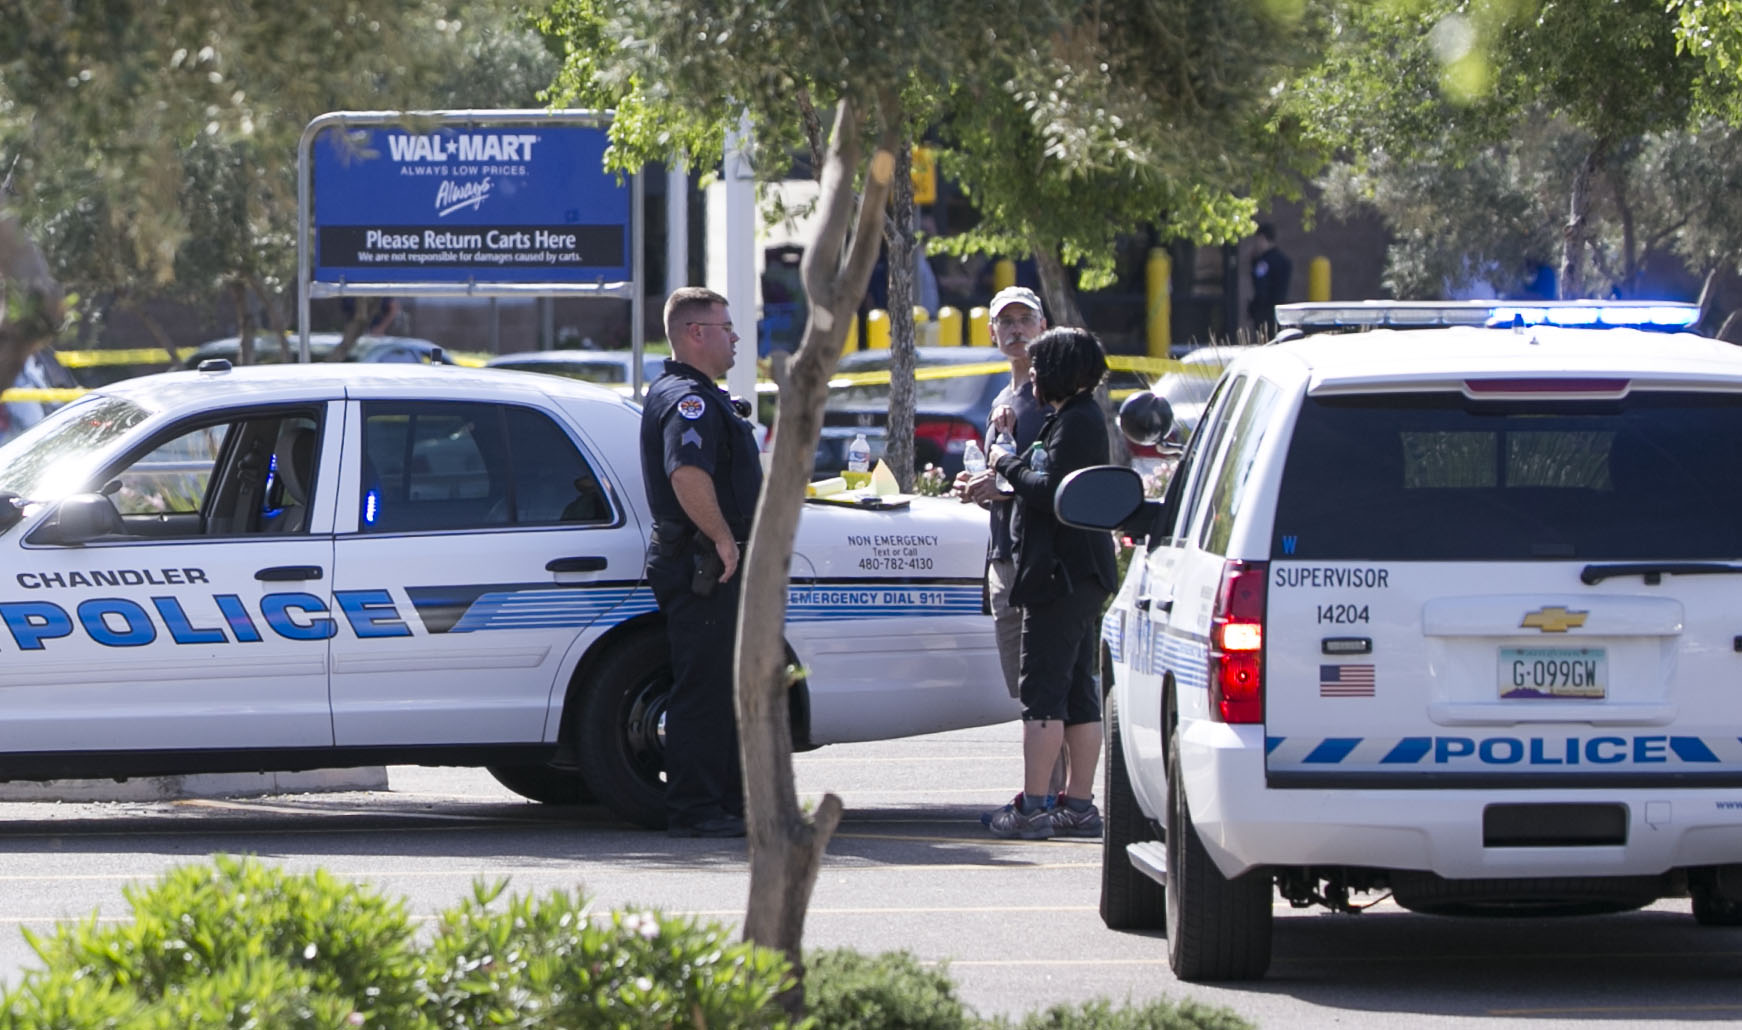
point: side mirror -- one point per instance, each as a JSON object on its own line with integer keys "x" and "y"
{"x": 1145, "y": 418}
{"x": 1099, "y": 497}
{"x": 81, "y": 518}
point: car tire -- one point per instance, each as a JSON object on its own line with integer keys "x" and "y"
{"x": 1713, "y": 909}
{"x": 1217, "y": 928}
{"x": 617, "y": 729}
{"x": 543, "y": 783}
{"x": 1129, "y": 899}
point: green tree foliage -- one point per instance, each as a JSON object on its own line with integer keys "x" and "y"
{"x": 1505, "y": 113}
{"x": 1157, "y": 115}
{"x": 152, "y": 146}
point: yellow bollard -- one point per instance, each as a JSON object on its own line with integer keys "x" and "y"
{"x": 1003, "y": 274}
{"x": 852, "y": 343}
{"x": 1158, "y": 287}
{"x": 920, "y": 315}
{"x": 1319, "y": 279}
{"x": 979, "y": 328}
{"x": 949, "y": 327}
{"x": 877, "y": 330}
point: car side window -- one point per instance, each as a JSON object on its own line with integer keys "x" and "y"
{"x": 1228, "y": 486}
{"x": 451, "y": 466}
{"x": 250, "y": 475}
{"x": 1205, "y": 443}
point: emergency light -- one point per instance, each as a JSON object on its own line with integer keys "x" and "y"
{"x": 1659, "y": 316}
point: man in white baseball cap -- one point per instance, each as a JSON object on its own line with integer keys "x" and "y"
{"x": 1016, "y": 318}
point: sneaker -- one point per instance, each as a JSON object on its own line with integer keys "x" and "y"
{"x": 1067, "y": 822}
{"x": 1012, "y": 821}
{"x": 986, "y": 817}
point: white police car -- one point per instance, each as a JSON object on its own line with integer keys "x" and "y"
{"x": 313, "y": 566}
{"x": 1449, "y": 607}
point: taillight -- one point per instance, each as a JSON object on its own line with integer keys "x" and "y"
{"x": 1237, "y": 644}
{"x": 950, "y": 434}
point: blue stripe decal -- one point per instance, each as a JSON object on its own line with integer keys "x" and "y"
{"x": 1113, "y": 633}
{"x": 1332, "y": 750}
{"x": 1188, "y": 661}
{"x": 577, "y": 608}
{"x": 1271, "y": 742}
{"x": 1408, "y": 750}
{"x": 1691, "y": 749}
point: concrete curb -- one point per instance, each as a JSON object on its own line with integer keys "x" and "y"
{"x": 202, "y": 785}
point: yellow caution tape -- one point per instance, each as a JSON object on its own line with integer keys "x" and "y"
{"x": 41, "y": 395}
{"x": 131, "y": 356}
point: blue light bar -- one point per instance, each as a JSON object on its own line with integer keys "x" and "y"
{"x": 1617, "y": 314}
{"x": 1587, "y": 314}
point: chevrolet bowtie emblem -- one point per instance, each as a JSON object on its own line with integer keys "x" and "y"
{"x": 1553, "y": 619}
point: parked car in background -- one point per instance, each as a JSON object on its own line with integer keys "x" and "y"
{"x": 1187, "y": 389}
{"x": 400, "y": 349}
{"x": 949, "y": 409}
{"x": 610, "y": 367}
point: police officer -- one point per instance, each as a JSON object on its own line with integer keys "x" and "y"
{"x": 703, "y": 471}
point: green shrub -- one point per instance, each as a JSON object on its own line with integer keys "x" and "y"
{"x": 545, "y": 964}
{"x": 845, "y": 990}
{"x": 233, "y": 944}
{"x": 1155, "y": 1015}
{"x": 237, "y": 945}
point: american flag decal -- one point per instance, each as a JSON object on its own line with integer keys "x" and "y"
{"x": 1345, "y": 681}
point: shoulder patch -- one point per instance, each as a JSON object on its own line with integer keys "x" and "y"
{"x": 692, "y": 407}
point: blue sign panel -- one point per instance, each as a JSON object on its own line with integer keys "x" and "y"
{"x": 460, "y": 204}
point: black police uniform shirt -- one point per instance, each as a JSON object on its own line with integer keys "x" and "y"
{"x": 687, "y": 420}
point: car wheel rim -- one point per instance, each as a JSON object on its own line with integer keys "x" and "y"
{"x": 644, "y": 728}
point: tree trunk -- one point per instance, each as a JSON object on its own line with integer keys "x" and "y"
{"x": 1629, "y": 238}
{"x": 274, "y": 320}
{"x": 786, "y": 848}
{"x": 1055, "y": 289}
{"x": 1061, "y": 300}
{"x": 244, "y": 323}
{"x": 903, "y": 246}
{"x": 1574, "y": 236}
{"x": 32, "y": 303}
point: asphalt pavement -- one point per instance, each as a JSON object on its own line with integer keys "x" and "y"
{"x": 911, "y": 868}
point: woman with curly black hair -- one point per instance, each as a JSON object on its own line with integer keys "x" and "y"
{"x": 1062, "y": 577}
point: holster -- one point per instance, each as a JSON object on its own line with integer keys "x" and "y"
{"x": 671, "y": 538}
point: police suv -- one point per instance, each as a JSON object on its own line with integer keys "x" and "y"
{"x": 296, "y": 567}
{"x": 1444, "y": 600}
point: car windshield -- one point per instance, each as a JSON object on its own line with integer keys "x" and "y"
{"x": 1440, "y": 477}
{"x": 58, "y": 455}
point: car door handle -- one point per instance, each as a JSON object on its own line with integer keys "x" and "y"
{"x": 288, "y": 573}
{"x": 584, "y": 563}
{"x": 1145, "y": 604}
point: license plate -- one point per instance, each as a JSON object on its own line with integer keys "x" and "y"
{"x": 1554, "y": 672}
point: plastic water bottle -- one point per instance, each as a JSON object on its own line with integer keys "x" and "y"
{"x": 859, "y": 454}
{"x": 973, "y": 458}
{"x": 1003, "y": 440}
{"x": 1037, "y": 458}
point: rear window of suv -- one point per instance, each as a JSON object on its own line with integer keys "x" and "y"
{"x": 1439, "y": 477}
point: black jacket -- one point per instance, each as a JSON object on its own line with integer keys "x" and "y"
{"x": 1053, "y": 560}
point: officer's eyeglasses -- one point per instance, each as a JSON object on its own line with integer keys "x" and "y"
{"x": 723, "y": 325}
{"x": 1012, "y": 321}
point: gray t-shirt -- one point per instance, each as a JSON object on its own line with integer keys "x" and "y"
{"x": 1030, "y": 415}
